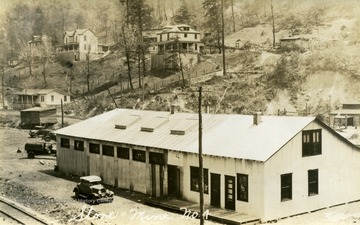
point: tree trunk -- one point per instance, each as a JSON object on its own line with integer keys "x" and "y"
{"x": 129, "y": 68}
{"x": 88, "y": 73}
{"x": 127, "y": 54}
{"x": 181, "y": 69}
{"x": 44, "y": 73}
{"x": 233, "y": 15}
{"x": 223, "y": 37}
{"x": 273, "y": 24}
{"x": 139, "y": 67}
{"x": 30, "y": 71}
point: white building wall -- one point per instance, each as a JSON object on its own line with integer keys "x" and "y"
{"x": 223, "y": 166}
{"x": 56, "y": 100}
{"x": 95, "y": 160}
{"x": 338, "y": 182}
{"x": 71, "y": 161}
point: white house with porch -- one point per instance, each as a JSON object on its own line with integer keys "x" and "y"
{"x": 28, "y": 98}
{"x": 173, "y": 36}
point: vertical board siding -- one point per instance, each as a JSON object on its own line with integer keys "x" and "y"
{"x": 123, "y": 173}
{"x": 336, "y": 166}
{"x": 109, "y": 169}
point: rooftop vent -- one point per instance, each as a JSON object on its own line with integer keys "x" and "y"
{"x": 154, "y": 123}
{"x": 177, "y": 132}
{"x": 184, "y": 126}
{"x": 127, "y": 121}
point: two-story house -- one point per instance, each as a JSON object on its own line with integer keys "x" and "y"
{"x": 176, "y": 41}
{"x": 150, "y": 37}
{"x": 173, "y": 36}
{"x": 79, "y": 44}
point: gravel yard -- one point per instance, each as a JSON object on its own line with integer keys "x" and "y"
{"x": 33, "y": 183}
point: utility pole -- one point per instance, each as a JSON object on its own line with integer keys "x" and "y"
{"x": 223, "y": 37}
{"x": 3, "y": 86}
{"x": 62, "y": 114}
{"x": 201, "y": 183}
{"x": 329, "y": 110}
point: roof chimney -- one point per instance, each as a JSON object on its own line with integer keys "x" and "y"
{"x": 172, "y": 109}
{"x": 257, "y": 118}
{"x": 207, "y": 107}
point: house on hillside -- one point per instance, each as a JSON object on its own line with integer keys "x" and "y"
{"x": 78, "y": 44}
{"x": 293, "y": 41}
{"x": 35, "y": 42}
{"x": 29, "y": 98}
{"x": 170, "y": 41}
{"x": 150, "y": 37}
{"x": 269, "y": 167}
{"x": 348, "y": 115}
{"x": 173, "y": 36}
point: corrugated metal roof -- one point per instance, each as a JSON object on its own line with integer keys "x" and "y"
{"x": 37, "y": 109}
{"x": 223, "y": 135}
{"x": 346, "y": 112}
{"x": 35, "y": 92}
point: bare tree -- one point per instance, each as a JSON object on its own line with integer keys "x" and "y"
{"x": 128, "y": 44}
{"x": 88, "y": 69}
{"x": 273, "y": 23}
{"x": 45, "y": 53}
{"x": 27, "y": 56}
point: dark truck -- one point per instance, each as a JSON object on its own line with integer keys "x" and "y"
{"x": 33, "y": 149}
{"x": 45, "y": 134}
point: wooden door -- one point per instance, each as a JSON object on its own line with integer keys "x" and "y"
{"x": 230, "y": 192}
{"x": 215, "y": 190}
{"x": 173, "y": 181}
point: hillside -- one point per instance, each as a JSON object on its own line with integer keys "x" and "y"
{"x": 260, "y": 78}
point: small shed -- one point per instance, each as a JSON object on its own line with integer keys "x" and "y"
{"x": 37, "y": 116}
{"x": 348, "y": 115}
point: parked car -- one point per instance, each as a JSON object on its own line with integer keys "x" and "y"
{"x": 42, "y": 148}
{"x": 91, "y": 188}
{"x": 45, "y": 134}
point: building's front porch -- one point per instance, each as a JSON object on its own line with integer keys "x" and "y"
{"x": 191, "y": 209}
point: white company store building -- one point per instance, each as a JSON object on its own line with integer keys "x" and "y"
{"x": 265, "y": 166}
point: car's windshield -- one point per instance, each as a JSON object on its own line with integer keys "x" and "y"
{"x": 95, "y": 183}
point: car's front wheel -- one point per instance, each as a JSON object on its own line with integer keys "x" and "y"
{"x": 31, "y": 155}
{"x": 76, "y": 190}
{"x": 94, "y": 200}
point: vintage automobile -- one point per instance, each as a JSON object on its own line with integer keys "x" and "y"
{"x": 41, "y": 148}
{"x": 45, "y": 134}
{"x": 90, "y": 188}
